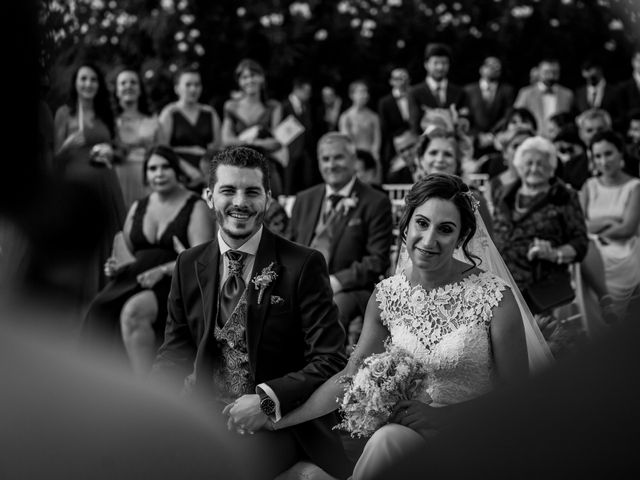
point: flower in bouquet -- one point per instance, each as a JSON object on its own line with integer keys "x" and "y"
{"x": 382, "y": 380}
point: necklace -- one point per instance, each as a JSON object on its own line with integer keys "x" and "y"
{"x": 519, "y": 208}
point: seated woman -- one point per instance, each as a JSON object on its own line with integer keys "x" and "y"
{"x": 463, "y": 323}
{"x": 132, "y": 306}
{"x": 611, "y": 202}
{"x": 440, "y": 152}
{"x": 538, "y": 225}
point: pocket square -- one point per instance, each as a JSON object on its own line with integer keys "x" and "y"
{"x": 354, "y": 222}
{"x": 276, "y": 300}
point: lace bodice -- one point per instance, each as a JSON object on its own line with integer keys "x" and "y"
{"x": 448, "y": 328}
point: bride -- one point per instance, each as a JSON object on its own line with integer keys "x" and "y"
{"x": 464, "y": 323}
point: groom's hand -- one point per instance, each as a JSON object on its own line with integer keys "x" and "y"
{"x": 245, "y": 414}
{"x": 420, "y": 417}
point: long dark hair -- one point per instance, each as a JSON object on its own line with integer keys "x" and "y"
{"x": 170, "y": 156}
{"x": 446, "y": 187}
{"x": 101, "y": 102}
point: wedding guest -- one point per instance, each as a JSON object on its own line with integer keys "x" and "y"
{"x": 539, "y": 226}
{"x": 560, "y": 121}
{"x": 403, "y": 167}
{"x": 394, "y": 115}
{"x": 137, "y": 131}
{"x": 276, "y": 219}
{"x": 440, "y": 153}
{"x": 360, "y": 122}
{"x": 573, "y": 165}
{"x": 366, "y": 169}
{"x": 250, "y": 119}
{"x": 611, "y": 202}
{"x": 435, "y": 92}
{"x": 132, "y": 308}
{"x": 301, "y": 172}
{"x": 489, "y": 100}
{"x": 547, "y": 97}
{"x": 628, "y": 92}
{"x": 254, "y": 353}
{"x": 591, "y": 122}
{"x": 633, "y": 136}
{"x": 331, "y": 107}
{"x": 349, "y": 222}
{"x": 84, "y": 132}
{"x": 414, "y": 310}
{"x": 597, "y": 92}
{"x": 190, "y": 127}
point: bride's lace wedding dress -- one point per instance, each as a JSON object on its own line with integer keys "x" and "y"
{"x": 448, "y": 329}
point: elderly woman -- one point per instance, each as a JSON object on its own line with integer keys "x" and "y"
{"x": 539, "y": 228}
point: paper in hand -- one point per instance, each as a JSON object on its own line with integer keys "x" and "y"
{"x": 120, "y": 251}
{"x": 288, "y": 130}
{"x": 250, "y": 134}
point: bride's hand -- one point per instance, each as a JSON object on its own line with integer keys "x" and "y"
{"x": 420, "y": 417}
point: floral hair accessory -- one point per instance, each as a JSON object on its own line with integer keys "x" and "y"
{"x": 263, "y": 280}
{"x": 475, "y": 203}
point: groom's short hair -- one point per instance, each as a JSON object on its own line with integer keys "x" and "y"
{"x": 242, "y": 157}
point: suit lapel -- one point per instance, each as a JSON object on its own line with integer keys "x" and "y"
{"x": 207, "y": 267}
{"x": 339, "y": 224}
{"x": 266, "y": 260}
{"x": 312, "y": 216}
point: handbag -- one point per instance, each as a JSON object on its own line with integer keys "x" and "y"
{"x": 549, "y": 292}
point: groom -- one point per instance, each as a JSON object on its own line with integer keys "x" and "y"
{"x": 252, "y": 323}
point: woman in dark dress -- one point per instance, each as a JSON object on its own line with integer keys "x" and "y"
{"x": 131, "y": 309}
{"x": 84, "y": 132}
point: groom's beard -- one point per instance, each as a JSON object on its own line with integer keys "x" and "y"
{"x": 222, "y": 217}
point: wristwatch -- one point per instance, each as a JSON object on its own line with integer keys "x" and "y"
{"x": 267, "y": 405}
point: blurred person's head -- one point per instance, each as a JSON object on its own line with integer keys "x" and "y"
{"x": 591, "y": 122}
{"x": 535, "y": 162}
{"x": 404, "y": 144}
{"x": 633, "y": 130}
{"x": 276, "y": 218}
{"x": 491, "y": 69}
{"x": 161, "y": 169}
{"x": 188, "y": 85}
{"x": 336, "y": 159}
{"x": 635, "y": 61}
{"x": 239, "y": 192}
{"x": 591, "y": 71}
{"x": 520, "y": 117}
{"x": 511, "y": 139}
{"x": 359, "y": 93}
{"x": 534, "y": 75}
{"x": 302, "y": 88}
{"x": 549, "y": 71}
{"x": 366, "y": 167}
{"x": 558, "y": 121}
{"x": 607, "y": 151}
{"x": 250, "y": 77}
{"x": 439, "y": 154}
{"x": 437, "y": 59}
{"x": 88, "y": 85}
{"x": 568, "y": 144}
{"x": 328, "y": 94}
{"x": 129, "y": 91}
{"x": 399, "y": 79}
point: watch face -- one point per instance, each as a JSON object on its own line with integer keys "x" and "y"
{"x": 268, "y": 406}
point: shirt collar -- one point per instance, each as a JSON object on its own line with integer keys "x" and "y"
{"x": 250, "y": 247}
{"x": 433, "y": 85}
{"x": 543, "y": 88}
{"x": 397, "y": 93}
{"x": 344, "y": 191}
{"x": 485, "y": 84}
{"x": 295, "y": 103}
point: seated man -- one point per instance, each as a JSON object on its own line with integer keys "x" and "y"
{"x": 349, "y": 223}
{"x": 403, "y": 165}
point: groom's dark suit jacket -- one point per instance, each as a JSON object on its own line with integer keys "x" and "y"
{"x": 293, "y": 345}
{"x": 362, "y": 238}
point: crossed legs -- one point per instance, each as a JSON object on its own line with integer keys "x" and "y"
{"x": 136, "y": 319}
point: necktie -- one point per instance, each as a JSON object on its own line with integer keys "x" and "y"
{"x": 334, "y": 198}
{"x": 233, "y": 286}
{"x": 440, "y": 93}
{"x": 593, "y": 97}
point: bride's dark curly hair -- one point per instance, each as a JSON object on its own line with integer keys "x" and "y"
{"x": 446, "y": 187}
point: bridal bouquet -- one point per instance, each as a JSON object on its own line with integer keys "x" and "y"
{"x": 382, "y": 380}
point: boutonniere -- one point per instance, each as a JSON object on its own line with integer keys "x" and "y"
{"x": 346, "y": 204}
{"x": 263, "y": 280}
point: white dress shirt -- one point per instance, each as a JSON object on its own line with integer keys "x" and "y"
{"x": 439, "y": 89}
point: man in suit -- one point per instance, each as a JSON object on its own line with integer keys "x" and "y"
{"x": 349, "y": 222}
{"x": 301, "y": 172}
{"x": 628, "y": 92}
{"x": 546, "y": 97}
{"x": 489, "y": 101}
{"x": 251, "y": 323}
{"x": 393, "y": 110}
{"x": 436, "y": 92}
{"x": 596, "y": 93}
